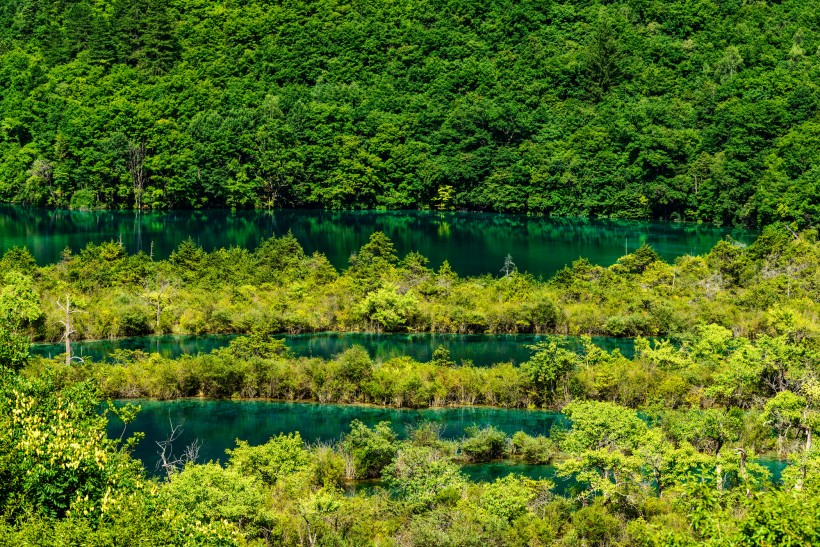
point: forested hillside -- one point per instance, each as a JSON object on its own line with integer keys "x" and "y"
{"x": 679, "y": 109}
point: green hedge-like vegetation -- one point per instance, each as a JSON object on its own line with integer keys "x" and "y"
{"x": 715, "y": 371}
{"x": 764, "y": 288}
{"x": 685, "y": 109}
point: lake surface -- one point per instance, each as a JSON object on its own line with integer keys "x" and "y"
{"x": 473, "y": 243}
{"x": 481, "y": 349}
{"x": 217, "y": 424}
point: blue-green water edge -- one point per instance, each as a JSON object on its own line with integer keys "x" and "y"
{"x": 473, "y": 243}
{"x": 218, "y": 424}
{"x": 480, "y": 349}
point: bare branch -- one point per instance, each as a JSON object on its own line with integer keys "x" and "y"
{"x": 169, "y": 462}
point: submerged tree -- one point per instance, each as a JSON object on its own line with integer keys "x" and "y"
{"x": 509, "y": 266}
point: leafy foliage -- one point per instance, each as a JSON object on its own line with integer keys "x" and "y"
{"x": 371, "y": 450}
{"x": 642, "y": 479}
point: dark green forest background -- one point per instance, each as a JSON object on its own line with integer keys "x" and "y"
{"x": 678, "y": 109}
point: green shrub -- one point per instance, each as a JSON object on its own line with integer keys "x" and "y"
{"x": 536, "y": 450}
{"x": 370, "y": 449}
{"x": 328, "y": 467}
{"x": 83, "y": 200}
{"x": 422, "y": 476}
{"x": 593, "y": 525}
{"x": 280, "y": 457}
{"x": 484, "y": 444}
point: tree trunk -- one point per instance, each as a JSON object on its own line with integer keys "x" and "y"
{"x": 743, "y": 473}
{"x": 136, "y": 166}
{"x": 657, "y": 474}
{"x": 66, "y": 308}
{"x": 67, "y": 330}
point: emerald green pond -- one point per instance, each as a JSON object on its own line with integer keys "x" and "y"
{"x": 473, "y": 243}
{"x": 481, "y": 349}
{"x": 217, "y": 424}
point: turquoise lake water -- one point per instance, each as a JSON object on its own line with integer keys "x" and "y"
{"x": 217, "y": 424}
{"x": 473, "y": 243}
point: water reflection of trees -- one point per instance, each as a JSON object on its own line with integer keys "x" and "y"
{"x": 472, "y": 242}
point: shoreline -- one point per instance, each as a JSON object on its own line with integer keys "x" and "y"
{"x": 315, "y": 402}
{"x": 330, "y": 333}
{"x": 466, "y": 211}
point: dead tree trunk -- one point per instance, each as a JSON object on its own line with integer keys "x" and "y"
{"x": 66, "y": 309}
{"x": 743, "y": 474}
{"x": 157, "y": 299}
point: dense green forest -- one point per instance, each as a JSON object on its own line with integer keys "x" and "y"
{"x": 679, "y": 109}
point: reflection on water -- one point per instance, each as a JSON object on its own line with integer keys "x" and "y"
{"x": 473, "y": 243}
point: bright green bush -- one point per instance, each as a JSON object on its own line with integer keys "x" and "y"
{"x": 83, "y": 200}
{"x": 484, "y": 444}
{"x": 371, "y": 450}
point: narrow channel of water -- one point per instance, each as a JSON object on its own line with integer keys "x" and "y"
{"x": 481, "y": 349}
